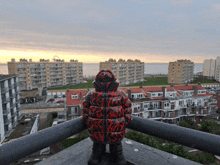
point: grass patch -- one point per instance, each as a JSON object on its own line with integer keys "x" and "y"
{"x": 149, "y": 81}
{"x": 78, "y": 86}
{"x": 152, "y": 81}
{"x": 69, "y": 142}
{"x": 203, "y": 81}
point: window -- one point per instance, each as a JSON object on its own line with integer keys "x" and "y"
{"x": 145, "y": 105}
{"x": 132, "y": 96}
{"x": 73, "y": 110}
{"x": 74, "y": 96}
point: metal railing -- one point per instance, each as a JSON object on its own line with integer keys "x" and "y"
{"x": 5, "y": 100}
{"x": 11, "y": 86}
{"x": 4, "y": 89}
{"x": 34, "y": 142}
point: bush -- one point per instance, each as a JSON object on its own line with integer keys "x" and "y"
{"x": 210, "y": 126}
{"x": 81, "y": 136}
{"x": 54, "y": 115}
{"x": 49, "y": 120}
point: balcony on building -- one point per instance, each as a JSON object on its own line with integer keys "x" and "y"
{"x": 4, "y": 89}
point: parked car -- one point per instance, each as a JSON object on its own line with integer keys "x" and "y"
{"x": 59, "y": 96}
{"x": 60, "y": 101}
{"x": 55, "y": 96}
{"x": 50, "y": 100}
{"x": 64, "y": 96}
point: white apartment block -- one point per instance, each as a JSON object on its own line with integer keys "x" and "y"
{"x": 217, "y": 69}
{"x": 45, "y": 73}
{"x": 10, "y": 111}
{"x": 126, "y": 72}
{"x": 209, "y": 68}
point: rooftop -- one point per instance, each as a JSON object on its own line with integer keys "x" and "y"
{"x": 135, "y": 153}
{"x": 31, "y": 93}
{"x": 4, "y": 77}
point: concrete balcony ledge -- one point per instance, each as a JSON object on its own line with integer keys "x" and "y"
{"x": 135, "y": 153}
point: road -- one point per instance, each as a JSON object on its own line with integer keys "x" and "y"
{"x": 42, "y": 110}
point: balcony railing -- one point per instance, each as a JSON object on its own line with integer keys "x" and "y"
{"x": 12, "y": 95}
{"x": 6, "y": 111}
{"x": 42, "y": 139}
{"x": 5, "y": 100}
{"x": 6, "y": 122}
{"x": 12, "y": 106}
{"x": 4, "y": 89}
{"x": 11, "y": 86}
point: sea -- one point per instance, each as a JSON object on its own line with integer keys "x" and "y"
{"x": 91, "y": 69}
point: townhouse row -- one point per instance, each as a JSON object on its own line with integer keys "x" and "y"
{"x": 170, "y": 104}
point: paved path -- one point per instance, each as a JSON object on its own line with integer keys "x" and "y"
{"x": 42, "y": 110}
{"x": 42, "y": 121}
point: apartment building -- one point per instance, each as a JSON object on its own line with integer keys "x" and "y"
{"x": 126, "y": 72}
{"x": 45, "y": 73}
{"x": 10, "y": 111}
{"x": 180, "y": 72}
{"x": 209, "y": 68}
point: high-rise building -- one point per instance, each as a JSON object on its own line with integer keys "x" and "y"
{"x": 10, "y": 111}
{"x": 45, "y": 73}
{"x": 180, "y": 72}
{"x": 217, "y": 69}
{"x": 209, "y": 68}
{"x": 126, "y": 72}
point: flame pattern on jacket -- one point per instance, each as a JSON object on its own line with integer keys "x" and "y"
{"x": 106, "y": 110}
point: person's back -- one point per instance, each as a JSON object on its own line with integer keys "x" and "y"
{"x": 106, "y": 111}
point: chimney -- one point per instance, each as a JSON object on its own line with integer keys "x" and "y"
{"x": 141, "y": 86}
{"x": 195, "y": 88}
{"x": 80, "y": 96}
{"x": 129, "y": 93}
{"x": 199, "y": 83}
{"x": 186, "y": 84}
{"x": 171, "y": 85}
{"x": 164, "y": 89}
{"x": 68, "y": 90}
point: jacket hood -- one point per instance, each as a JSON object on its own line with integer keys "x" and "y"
{"x": 105, "y": 81}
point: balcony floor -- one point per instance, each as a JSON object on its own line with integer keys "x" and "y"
{"x": 80, "y": 153}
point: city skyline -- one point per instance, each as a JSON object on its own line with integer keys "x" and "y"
{"x": 93, "y": 32}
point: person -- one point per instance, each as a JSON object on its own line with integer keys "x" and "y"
{"x": 106, "y": 112}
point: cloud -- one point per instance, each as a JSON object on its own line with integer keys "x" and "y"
{"x": 215, "y": 7}
{"x": 179, "y": 17}
{"x": 182, "y": 2}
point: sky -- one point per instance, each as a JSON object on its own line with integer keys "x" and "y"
{"x": 92, "y": 31}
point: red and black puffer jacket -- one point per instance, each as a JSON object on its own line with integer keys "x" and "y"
{"x": 106, "y": 110}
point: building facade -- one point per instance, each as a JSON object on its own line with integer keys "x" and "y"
{"x": 10, "y": 111}
{"x": 170, "y": 104}
{"x": 209, "y": 68}
{"x": 126, "y": 72}
{"x": 45, "y": 73}
{"x": 180, "y": 72}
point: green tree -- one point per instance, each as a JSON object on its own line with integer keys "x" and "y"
{"x": 210, "y": 126}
